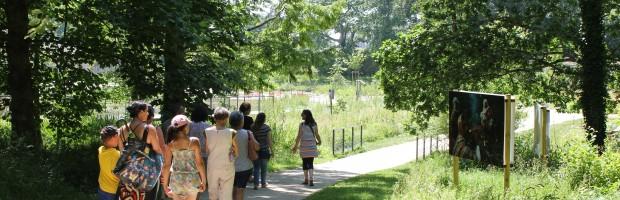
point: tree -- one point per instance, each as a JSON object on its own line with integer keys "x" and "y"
{"x": 177, "y": 49}
{"x": 530, "y": 48}
{"x": 364, "y": 25}
{"x": 283, "y": 41}
{"x": 24, "y": 116}
{"x": 594, "y": 74}
{"x": 65, "y": 40}
{"x": 189, "y": 51}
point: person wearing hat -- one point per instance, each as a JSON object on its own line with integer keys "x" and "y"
{"x": 188, "y": 176}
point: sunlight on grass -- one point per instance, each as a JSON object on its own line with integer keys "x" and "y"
{"x": 432, "y": 177}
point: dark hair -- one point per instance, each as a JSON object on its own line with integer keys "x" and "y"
{"x": 236, "y": 120}
{"x": 136, "y": 107}
{"x": 220, "y": 113}
{"x": 200, "y": 112}
{"x": 151, "y": 111}
{"x": 108, "y": 132}
{"x": 173, "y": 132}
{"x": 260, "y": 120}
{"x": 245, "y": 108}
{"x": 179, "y": 109}
{"x": 309, "y": 118}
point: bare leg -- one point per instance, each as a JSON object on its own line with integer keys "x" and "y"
{"x": 305, "y": 176}
{"x": 238, "y": 194}
{"x": 191, "y": 196}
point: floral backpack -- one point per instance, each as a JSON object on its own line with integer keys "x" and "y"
{"x": 138, "y": 167}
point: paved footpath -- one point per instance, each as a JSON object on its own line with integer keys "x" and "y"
{"x": 286, "y": 185}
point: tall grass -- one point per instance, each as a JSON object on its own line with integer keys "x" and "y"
{"x": 574, "y": 171}
{"x": 284, "y": 116}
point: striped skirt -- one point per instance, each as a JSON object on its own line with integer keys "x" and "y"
{"x": 308, "y": 149}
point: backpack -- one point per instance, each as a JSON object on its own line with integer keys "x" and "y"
{"x": 138, "y": 167}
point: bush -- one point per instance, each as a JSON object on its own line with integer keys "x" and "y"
{"x": 69, "y": 172}
{"x": 28, "y": 175}
{"x": 585, "y": 168}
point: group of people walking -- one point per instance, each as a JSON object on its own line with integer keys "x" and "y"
{"x": 200, "y": 159}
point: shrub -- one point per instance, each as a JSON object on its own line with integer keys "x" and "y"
{"x": 28, "y": 175}
{"x": 69, "y": 172}
{"x": 585, "y": 168}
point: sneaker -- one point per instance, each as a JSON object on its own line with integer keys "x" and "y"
{"x": 305, "y": 182}
{"x": 311, "y": 183}
{"x": 264, "y": 185}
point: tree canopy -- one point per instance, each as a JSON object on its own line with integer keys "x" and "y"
{"x": 176, "y": 52}
{"x": 534, "y": 49}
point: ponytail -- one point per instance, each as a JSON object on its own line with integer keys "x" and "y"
{"x": 173, "y": 132}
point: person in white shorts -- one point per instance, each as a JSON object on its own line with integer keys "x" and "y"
{"x": 222, "y": 150}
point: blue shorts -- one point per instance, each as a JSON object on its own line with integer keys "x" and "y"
{"x": 106, "y": 196}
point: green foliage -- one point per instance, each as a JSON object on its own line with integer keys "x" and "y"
{"x": 361, "y": 28}
{"x": 335, "y": 73}
{"x": 575, "y": 171}
{"x": 3, "y": 40}
{"x": 457, "y": 43}
{"x": 283, "y": 41}
{"x": 179, "y": 49}
{"x": 28, "y": 175}
{"x": 341, "y": 105}
{"x": 586, "y": 169}
{"x": 69, "y": 173}
{"x": 435, "y": 126}
{"x": 68, "y": 45}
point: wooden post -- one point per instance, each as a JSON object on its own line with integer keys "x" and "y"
{"x": 352, "y": 138}
{"x": 543, "y": 135}
{"x": 331, "y": 108}
{"x": 507, "y": 121}
{"x": 343, "y": 140}
{"x": 417, "y": 146}
{"x": 430, "y": 148}
{"x": 455, "y": 171}
{"x": 361, "y": 136}
{"x": 423, "y": 148}
{"x": 334, "y": 142}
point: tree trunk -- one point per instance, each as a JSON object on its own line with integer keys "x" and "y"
{"x": 594, "y": 73}
{"x": 174, "y": 83}
{"x": 25, "y": 122}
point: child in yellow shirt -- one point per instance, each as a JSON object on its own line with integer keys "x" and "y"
{"x": 108, "y": 155}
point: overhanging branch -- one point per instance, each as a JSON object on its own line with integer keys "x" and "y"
{"x": 266, "y": 21}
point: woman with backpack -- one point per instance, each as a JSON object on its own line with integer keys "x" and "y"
{"x": 138, "y": 132}
{"x": 306, "y": 142}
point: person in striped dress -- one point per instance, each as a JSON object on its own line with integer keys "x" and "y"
{"x": 306, "y": 142}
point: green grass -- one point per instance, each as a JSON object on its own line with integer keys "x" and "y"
{"x": 432, "y": 178}
{"x": 377, "y": 185}
{"x": 283, "y": 116}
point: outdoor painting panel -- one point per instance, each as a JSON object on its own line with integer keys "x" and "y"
{"x": 477, "y": 126}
